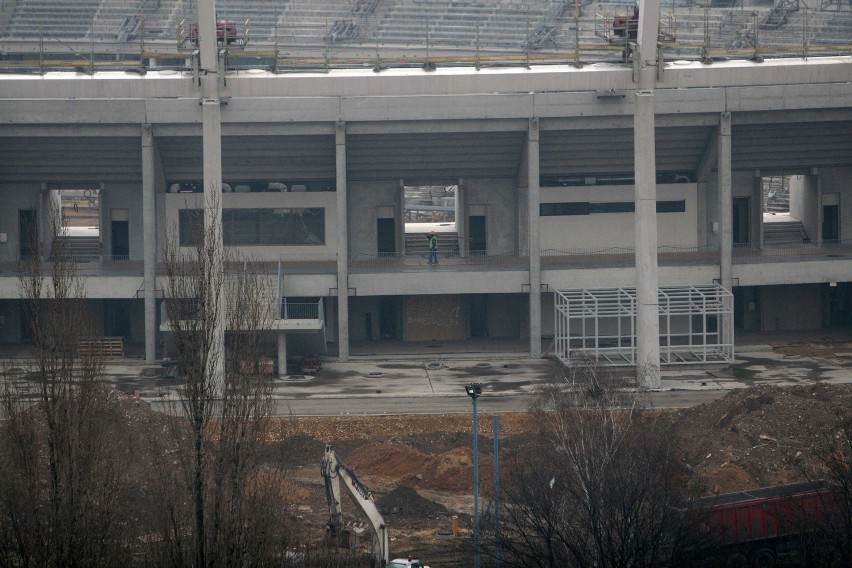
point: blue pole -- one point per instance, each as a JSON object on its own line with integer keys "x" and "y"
{"x": 475, "y": 486}
{"x": 496, "y": 491}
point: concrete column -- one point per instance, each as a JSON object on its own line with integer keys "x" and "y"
{"x": 644, "y": 148}
{"x": 342, "y": 246}
{"x": 282, "y": 353}
{"x": 534, "y": 241}
{"x": 462, "y": 219}
{"x": 149, "y": 243}
{"x": 726, "y": 215}
{"x": 212, "y": 162}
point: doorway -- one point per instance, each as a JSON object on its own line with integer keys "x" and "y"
{"x": 28, "y": 233}
{"x": 119, "y": 234}
{"x": 831, "y": 218}
{"x": 386, "y": 237}
{"x": 478, "y": 315}
{"x": 477, "y": 238}
{"x": 741, "y": 217}
{"x": 389, "y": 310}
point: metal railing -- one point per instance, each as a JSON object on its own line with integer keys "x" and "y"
{"x": 792, "y": 252}
{"x": 446, "y": 260}
{"x": 291, "y": 310}
{"x": 689, "y": 34}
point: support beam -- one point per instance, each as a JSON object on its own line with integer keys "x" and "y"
{"x": 342, "y": 245}
{"x": 282, "y": 353}
{"x": 534, "y": 234}
{"x": 211, "y": 121}
{"x": 726, "y": 226}
{"x": 149, "y": 243}
{"x": 645, "y": 172}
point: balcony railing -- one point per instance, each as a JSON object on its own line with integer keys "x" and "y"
{"x": 797, "y": 252}
{"x": 284, "y": 309}
{"x": 295, "y": 310}
{"x": 554, "y": 259}
{"x": 447, "y": 260}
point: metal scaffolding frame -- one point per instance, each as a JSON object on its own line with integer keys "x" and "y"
{"x": 696, "y": 325}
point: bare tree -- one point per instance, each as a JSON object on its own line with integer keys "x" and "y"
{"x": 602, "y": 487}
{"x": 238, "y": 507}
{"x": 62, "y": 483}
{"x": 828, "y": 522}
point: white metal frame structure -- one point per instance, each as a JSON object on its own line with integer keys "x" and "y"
{"x": 696, "y": 325}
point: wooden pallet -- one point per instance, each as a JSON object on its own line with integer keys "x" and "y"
{"x": 107, "y": 347}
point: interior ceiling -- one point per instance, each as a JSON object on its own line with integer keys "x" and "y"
{"x": 70, "y": 159}
{"x": 427, "y": 157}
{"x": 252, "y": 157}
{"x": 798, "y": 146}
{"x": 422, "y": 157}
{"x": 611, "y": 150}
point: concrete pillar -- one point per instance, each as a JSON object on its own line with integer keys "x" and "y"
{"x": 282, "y": 353}
{"x": 726, "y": 215}
{"x": 534, "y": 241}
{"x": 462, "y": 219}
{"x": 644, "y": 148}
{"x": 342, "y": 246}
{"x": 149, "y": 243}
{"x": 211, "y": 120}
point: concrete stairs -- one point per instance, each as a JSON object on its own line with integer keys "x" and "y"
{"x": 417, "y": 243}
{"x": 79, "y": 249}
{"x": 784, "y": 233}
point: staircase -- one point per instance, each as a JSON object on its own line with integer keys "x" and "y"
{"x": 417, "y": 243}
{"x": 78, "y": 249}
{"x": 784, "y": 233}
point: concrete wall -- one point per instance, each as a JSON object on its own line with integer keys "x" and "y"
{"x": 15, "y": 197}
{"x": 123, "y": 196}
{"x": 497, "y": 197}
{"x": 839, "y": 180}
{"x": 364, "y": 199}
{"x": 804, "y": 203}
{"x": 790, "y": 308}
{"x": 504, "y": 315}
{"x": 615, "y": 229}
{"x": 327, "y": 200}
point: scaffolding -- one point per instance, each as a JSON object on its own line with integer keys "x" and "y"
{"x": 696, "y": 325}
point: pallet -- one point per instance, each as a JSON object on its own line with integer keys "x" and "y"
{"x": 106, "y": 347}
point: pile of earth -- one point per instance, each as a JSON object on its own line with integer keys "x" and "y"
{"x": 759, "y": 437}
{"x": 405, "y": 501}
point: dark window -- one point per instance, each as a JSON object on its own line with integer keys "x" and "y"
{"x": 613, "y": 207}
{"x": 671, "y": 206}
{"x": 584, "y": 208}
{"x": 556, "y": 209}
{"x": 247, "y": 227}
{"x": 190, "y": 226}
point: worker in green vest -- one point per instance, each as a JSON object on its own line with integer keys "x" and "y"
{"x": 433, "y": 247}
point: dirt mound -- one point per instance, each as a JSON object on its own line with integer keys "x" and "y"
{"x": 758, "y": 437}
{"x": 447, "y": 471}
{"x": 405, "y": 501}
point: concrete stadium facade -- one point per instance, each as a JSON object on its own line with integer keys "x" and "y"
{"x": 547, "y": 162}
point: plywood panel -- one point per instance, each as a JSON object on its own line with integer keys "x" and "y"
{"x": 430, "y": 318}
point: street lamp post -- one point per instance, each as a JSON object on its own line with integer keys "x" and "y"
{"x": 474, "y": 391}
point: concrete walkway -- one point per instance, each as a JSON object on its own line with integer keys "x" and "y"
{"x": 434, "y": 383}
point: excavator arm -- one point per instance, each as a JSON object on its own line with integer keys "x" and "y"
{"x": 333, "y": 471}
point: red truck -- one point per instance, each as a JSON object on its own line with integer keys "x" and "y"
{"x": 763, "y": 528}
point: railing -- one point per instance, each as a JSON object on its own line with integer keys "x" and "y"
{"x": 448, "y": 260}
{"x": 615, "y": 257}
{"x": 105, "y": 265}
{"x": 624, "y": 257}
{"x": 797, "y": 252}
{"x": 806, "y": 34}
{"x": 301, "y": 310}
